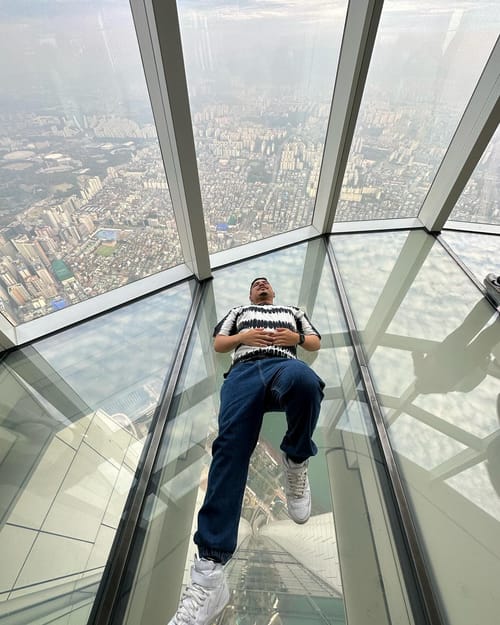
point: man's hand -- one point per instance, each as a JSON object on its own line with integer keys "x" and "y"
{"x": 257, "y": 337}
{"x": 288, "y": 338}
{"x": 285, "y": 337}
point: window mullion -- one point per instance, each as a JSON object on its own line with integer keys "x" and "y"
{"x": 158, "y": 34}
{"x": 362, "y": 21}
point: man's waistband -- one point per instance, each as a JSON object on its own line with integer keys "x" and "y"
{"x": 254, "y": 358}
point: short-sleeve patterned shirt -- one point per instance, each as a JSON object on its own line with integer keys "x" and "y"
{"x": 269, "y": 317}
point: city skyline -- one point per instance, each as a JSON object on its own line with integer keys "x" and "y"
{"x": 87, "y": 161}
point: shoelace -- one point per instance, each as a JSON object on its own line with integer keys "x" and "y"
{"x": 193, "y": 598}
{"x": 297, "y": 481}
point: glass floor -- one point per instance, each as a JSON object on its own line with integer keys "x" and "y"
{"x": 76, "y": 410}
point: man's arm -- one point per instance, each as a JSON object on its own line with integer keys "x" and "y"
{"x": 311, "y": 343}
{"x": 224, "y": 344}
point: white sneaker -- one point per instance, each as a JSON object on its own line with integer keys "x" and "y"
{"x": 206, "y": 596}
{"x": 297, "y": 490}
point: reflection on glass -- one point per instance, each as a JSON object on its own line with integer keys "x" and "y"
{"x": 480, "y": 252}
{"x": 427, "y": 59}
{"x": 281, "y": 572}
{"x": 260, "y": 78}
{"x": 479, "y": 200}
{"x": 75, "y": 411}
{"x": 84, "y": 204}
{"x": 434, "y": 354}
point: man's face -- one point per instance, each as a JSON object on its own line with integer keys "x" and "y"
{"x": 261, "y": 292}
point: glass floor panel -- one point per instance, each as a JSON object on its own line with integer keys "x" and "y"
{"x": 433, "y": 345}
{"x": 75, "y": 412}
{"x": 281, "y": 573}
{"x": 76, "y": 409}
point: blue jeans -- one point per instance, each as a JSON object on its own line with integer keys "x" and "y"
{"x": 251, "y": 389}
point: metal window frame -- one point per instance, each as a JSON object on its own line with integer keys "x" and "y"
{"x": 158, "y": 34}
{"x": 358, "y": 41}
{"x": 15, "y": 336}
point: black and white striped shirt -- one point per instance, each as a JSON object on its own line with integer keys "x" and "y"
{"x": 267, "y": 316}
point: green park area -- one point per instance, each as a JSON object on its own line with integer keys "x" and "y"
{"x": 105, "y": 250}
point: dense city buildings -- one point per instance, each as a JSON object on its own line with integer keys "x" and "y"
{"x": 86, "y": 209}
{"x": 84, "y": 200}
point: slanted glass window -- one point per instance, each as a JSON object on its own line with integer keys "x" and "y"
{"x": 260, "y": 78}
{"x": 479, "y": 200}
{"x": 427, "y": 59}
{"x": 84, "y": 202}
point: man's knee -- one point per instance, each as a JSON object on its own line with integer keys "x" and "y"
{"x": 302, "y": 377}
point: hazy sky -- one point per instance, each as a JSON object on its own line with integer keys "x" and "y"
{"x": 87, "y": 48}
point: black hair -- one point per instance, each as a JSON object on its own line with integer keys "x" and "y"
{"x": 255, "y": 280}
